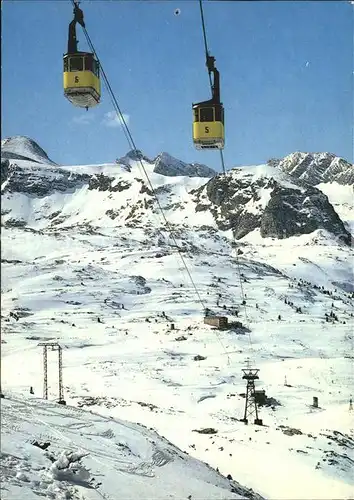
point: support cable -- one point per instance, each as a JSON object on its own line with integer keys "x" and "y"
{"x": 131, "y": 143}
{"x": 243, "y": 296}
{"x": 222, "y": 161}
{"x": 223, "y": 169}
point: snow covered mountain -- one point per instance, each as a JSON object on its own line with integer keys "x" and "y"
{"x": 243, "y": 200}
{"x": 87, "y": 261}
{"x": 316, "y": 168}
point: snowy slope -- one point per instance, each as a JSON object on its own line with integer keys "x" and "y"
{"x": 342, "y": 199}
{"x": 88, "y": 456}
{"x": 88, "y": 262}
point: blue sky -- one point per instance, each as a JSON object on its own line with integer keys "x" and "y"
{"x": 286, "y": 77}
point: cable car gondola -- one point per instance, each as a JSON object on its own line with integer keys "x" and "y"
{"x": 208, "y": 116}
{"x": 81, "y": 70}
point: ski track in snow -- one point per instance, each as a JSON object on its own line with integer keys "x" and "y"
{"x": 109, "y": 448}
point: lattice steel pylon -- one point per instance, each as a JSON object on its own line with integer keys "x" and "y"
{"x": 251, "y": 374}
{"x": 54, "y": 347}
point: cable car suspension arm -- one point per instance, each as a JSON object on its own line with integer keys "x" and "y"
{"x": 215, "y": 87}
{"x": 78, "y": 18}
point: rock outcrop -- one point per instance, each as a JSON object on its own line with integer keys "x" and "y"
{"x": 280, "y": 206}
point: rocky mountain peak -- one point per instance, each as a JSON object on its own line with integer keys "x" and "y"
{"x": 166, "y": 164}
{"x": 316, "y": 168}
{"x": 132, "y": 156}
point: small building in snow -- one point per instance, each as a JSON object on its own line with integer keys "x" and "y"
{"x": 217, "y": 321}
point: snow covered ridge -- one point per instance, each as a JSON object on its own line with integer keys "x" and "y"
{"x": 316, "y": 168}
{"x": 166, "y": 164}
{"x": 57, "y": 452}
{"x": 262, "y": 197}
{"x": 23, "y": 148}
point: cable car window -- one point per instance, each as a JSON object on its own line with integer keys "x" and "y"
{"x": 206, "y": 114}
{"x": 196, "y": 114}
{"x": 66, "y": 66}
{"x": 219, "y": 114}
{"x": 96, "y": 68}
{"x": 88, "y": 63}
{"x": 76, "y": 64}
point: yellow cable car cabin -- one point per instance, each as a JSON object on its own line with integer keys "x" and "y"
{"x": 81, "y": 77}
{"x": 208, "y": 125}
{"x": 208, "y": 116}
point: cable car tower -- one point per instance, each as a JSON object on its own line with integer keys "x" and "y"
{"x": 54, "y": 347}
{"x": 251, "y": 374}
